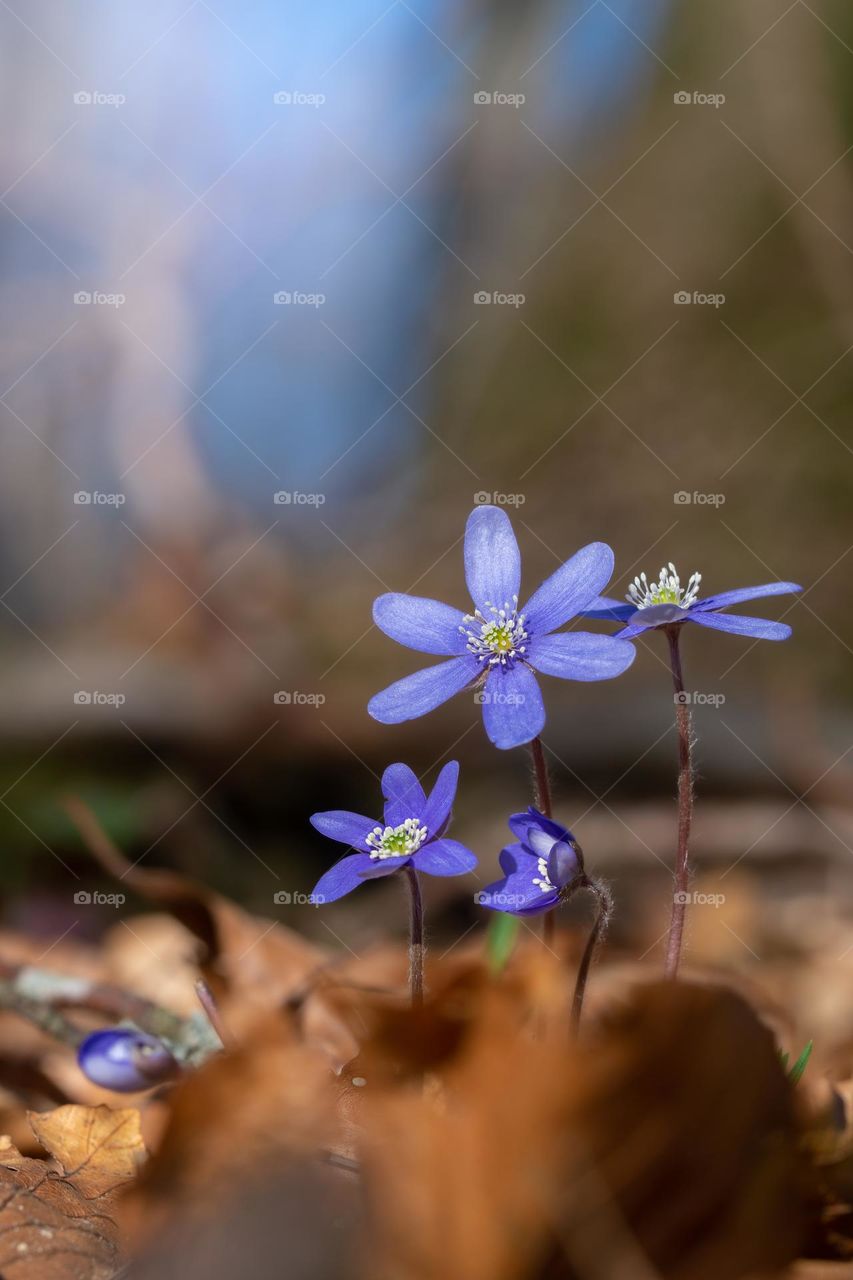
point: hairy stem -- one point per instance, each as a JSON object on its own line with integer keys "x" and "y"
{"x": 416, "y": 938}
{"x": 685, "y": 808}
{"x": 542, "y": 800}
{"x": 604, "y": 907}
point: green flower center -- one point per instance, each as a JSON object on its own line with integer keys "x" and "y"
{"x": 499, "y": 639}
{"x": 397, "y": 842}
{"x": 643, "y": 594}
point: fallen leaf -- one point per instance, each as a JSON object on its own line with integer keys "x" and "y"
{"x": 57, "y": 1215}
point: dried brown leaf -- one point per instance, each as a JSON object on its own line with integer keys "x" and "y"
{"x": 57, "y": 1216}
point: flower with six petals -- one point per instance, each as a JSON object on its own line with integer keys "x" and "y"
{"x": 412, "y": 832}
{"x": 498, "y": 647}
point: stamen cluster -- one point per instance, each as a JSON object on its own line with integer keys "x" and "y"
{"x": 667, "y": 590}
{"x": 396, "y": 842}
{"x": 497, "y": 640}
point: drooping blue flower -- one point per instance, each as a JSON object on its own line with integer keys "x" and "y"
{"x": 665, "y": 603}
{"x": 412, "y": 832}
{"x": 538, "y": 870}
{"x": 498, "y": 646}
{"x": 126, "y": 1060}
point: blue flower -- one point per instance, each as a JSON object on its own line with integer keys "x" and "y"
{"x": 538, "y": 871}
{"x": 665, "y": 603}
{"x": 126, "y": 1060}
{"x": 498, "y": 646}
{"x": 412, "y": 833}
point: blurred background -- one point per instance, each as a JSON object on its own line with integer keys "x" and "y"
{"x": 285, "y": 291}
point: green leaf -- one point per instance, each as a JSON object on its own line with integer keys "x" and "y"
{"x": 795, "y": 1074}
{"x": 500, "y": 940}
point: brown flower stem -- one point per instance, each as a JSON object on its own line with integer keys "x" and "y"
{"x": 599, "y": 928}
{"x": 416, "y": 937}
{"x": 685, "y": 808}
{"x": 542, "y": 800}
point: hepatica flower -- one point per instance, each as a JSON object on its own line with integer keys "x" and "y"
{"x": 538, "y": 871}
{"x": 499, "y": 646}
{"x": 666, "y": 602}
{"x": 411, "y": 832}
{"x": 125, "y": 1060}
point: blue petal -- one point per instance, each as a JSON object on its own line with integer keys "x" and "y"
{"x": 349, "y": 828}
{"x": 725, "y": 598}
{"x": 758, "y": 628}
{"x": 349, "y": 873}
{"x": 426, "y": 625}
{"x": 513, "y": 711}
{"x": 445, "y": 858}
{"x": 404, "y": 795}
{"x": 417, "y": 694}
{"x": 516, "y": 893}
{"x": 521, "y": 823}
{"x": 563, "y": 863}
{"x": 492, "y": 558}
{"x": 608, "y": 608}
{"x": 437, "y": 810}
{"x": 580, "y": 655}
{"x": 635, "y": 629}
{"x": 574, "y": 585}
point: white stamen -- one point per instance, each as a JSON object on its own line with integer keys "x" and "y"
{"x": 396, "y": 842}
{"x": 498, "y": 640}
{"x": 667, "y": 590}
{"x": 543, "y": 882}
